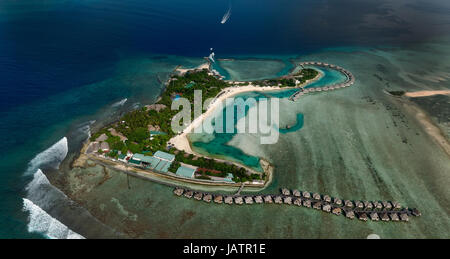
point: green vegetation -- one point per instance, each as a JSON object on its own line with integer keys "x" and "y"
{"x": 289, "y": 81}
{"x": 135, "y": 125}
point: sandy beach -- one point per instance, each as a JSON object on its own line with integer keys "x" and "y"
{"x": 427, "y": 93}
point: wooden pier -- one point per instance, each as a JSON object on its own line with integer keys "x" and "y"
{"x": 380, "y": 211}
{"x": 303, "y": 91}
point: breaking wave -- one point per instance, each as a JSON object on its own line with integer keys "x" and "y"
{"x": 41, "y": 222}
{"x": 120, "y": 103}
{"x": 52, "y": 156}
{"x": 40, "y": 189}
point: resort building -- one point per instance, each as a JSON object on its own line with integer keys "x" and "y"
{"x": 164, "y": 156}
{"x": 185, "y": 170}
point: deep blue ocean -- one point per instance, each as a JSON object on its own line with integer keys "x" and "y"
{"x": 66, "y": 63}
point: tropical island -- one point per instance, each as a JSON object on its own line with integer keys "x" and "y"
{"x": 143, "y": 141}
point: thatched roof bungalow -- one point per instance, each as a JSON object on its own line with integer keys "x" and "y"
{"x": 337, "y": 201}
{"x": 298, "y": 201}
{"x": 178, "y": 191}
{"x": 416, "y": 212}
{"x": 368, "y": 205}
{"x": 394, "y": 217}
{"x": 259, "y": 199}
{"x": 207, "y": 197}
{"x": 359, "y": 204}
{"x": 326, "y": 207}
{"x": 374, "y": 216}
{"x": 287, "y": 200}
{"x": 384, "y": 217}
{"x": 387, "y": 205}
{"x": 218, "y": 199}
{"x": 363, "y": 217}
{"x": 268, "y": 199}
{"x": 188, "y": 194}
{"x": 337, "y": 211}
{"x": 396, "y": 205}
{"x": 306, "y": 194}
{"x": 198, "y": 196}
{"x": 404, "y": 217}
{"x": 327, "y": 198}
{"x": 278, "y": 199}
{"x": 349, "y": 214}
{"x": 316, "y": 196}
{"x": 248, "y": 200}
{"x": 348, "y": 203}
{"x": 317, "y": 205}
{"x": 285, "y": 191}
{"x": 238, "y": 200}
{"x": 377, "y": 205}
{"x": 307, "y": 203}
{"x": 296, "y": 193}
{"x": 228, "y": 200}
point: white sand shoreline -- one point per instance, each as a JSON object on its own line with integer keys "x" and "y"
{"x": 427, "y": 93}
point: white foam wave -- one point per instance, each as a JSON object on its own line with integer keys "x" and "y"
{"x": 52, "y": 156}
{"x": 41, "y": 222}
{"x": 120, "y": 103}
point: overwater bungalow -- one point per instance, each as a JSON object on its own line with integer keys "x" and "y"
{"x": 368, "y": 205}
{"x": 327, "y": 198}
{"x": 287, "y": 200}
{"x": 316, "y": 196}
{"x": 296, "y": 193}
{"x": 348, "y": 203}
{"x": 188, "y": 194}
{"x": 248, "y": 200}
{"x": 337, "y": 211}
{"x": 317, "y": 205}
{"x": 387, "y": 205}
{"x": 374, "y": 216}
{"x": 306, "y": 194}
{"x": 394, "y": 217}
{"x": 278, "y": 199}
{"x": 238, "y": 200}
{"x": 307, "y": 203}
{"x": 298, "y": 201}
{"x": 359, "y": 204}
{"x": 396, "y": 205}
{"x": 326, "y": 207}
{"x": 258, "y": 199}
{"x": 377, "y": 205}
{"x": 198, "y": 196}
{"x": 349, "y": 214}
{"x": 285, "y": 192}
{"x": 384, "y": 217}
{"x": 228, "y": 200}
{"x": 363, "y": 217}
{"x": 404, "y": 216}
{"x": 268, "y": 199}
{"x": 207, "y": 197}
{"x": 178, "y": 191}
{"x": 337, "y": 201}
{"x": 218, "y": 199}
{"x": 416, "y": 212}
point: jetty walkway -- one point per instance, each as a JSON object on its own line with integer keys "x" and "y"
{"x": 348, "y": 82}
{"x": 363, "y": 210}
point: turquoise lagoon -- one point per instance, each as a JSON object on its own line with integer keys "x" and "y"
{"x": 217, "y": 144}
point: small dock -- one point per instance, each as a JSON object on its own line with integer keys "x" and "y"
{"x": 351, "y": 209}
{"x": 348, "y": 82}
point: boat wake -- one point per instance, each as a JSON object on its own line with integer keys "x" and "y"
{"x": 227, "y": 15}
